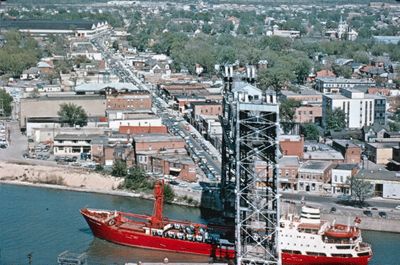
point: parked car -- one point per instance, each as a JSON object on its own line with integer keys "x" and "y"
{"x": 333, "y": 210}
{"x": 367, "y": 213}
{"x": 397, "y": 207}
{"x": 382, "y": 215}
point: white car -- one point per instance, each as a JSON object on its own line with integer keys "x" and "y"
{"x": 397, "y": 207}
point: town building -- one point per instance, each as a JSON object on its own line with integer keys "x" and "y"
{"x": 148, "y": 145}
{"x": 288, "y": 167}
{"x": 380, "y": 153}
{"x": 350, "y": 151}
{"x": 76, "y": 146}
{"x": 292, "y": 145}
{"x": 305, "y": 96}
{"x": 341, "y": 176}
{"x": 49, "y": 105}
{"x": 360, "y": 108}
{"x": 314, "y": 176}
{"x": 333, "y": 85}
{"x": 385, "y": 183}
{"x": 321, "y": 152}
{"x": 136, "y": 100}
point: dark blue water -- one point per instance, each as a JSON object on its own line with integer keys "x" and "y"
{"x": 46, "y": 222}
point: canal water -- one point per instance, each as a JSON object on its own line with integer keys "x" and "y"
{"x": 46, "y": 222}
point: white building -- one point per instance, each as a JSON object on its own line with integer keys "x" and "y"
{"x": 334, "y": 84}
{"x": 359, "y": 107}
{"x": 341, "y": 176}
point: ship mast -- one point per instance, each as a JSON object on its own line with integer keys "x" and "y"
{"x": 156, "y": 219}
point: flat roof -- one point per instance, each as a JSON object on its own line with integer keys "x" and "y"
{"x": 315, "y": 166}
{"x": 93, "y": 87}
{"x": 289, "y": 161}
{"x": 75, "y": 136}
{"x": 346, "y": 166}
{"x": 344, "y": 80}
{"x": 383, "y": 144}
{"x": 345, "y": 143}
{"x": 156, "y": 138}
{"x": 65, "y": 97}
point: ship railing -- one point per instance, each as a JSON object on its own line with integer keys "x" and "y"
{"x": 365, "y": 246}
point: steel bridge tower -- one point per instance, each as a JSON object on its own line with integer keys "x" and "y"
{"x": 249, "y": 180}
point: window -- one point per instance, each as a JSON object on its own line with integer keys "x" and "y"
{"x": 341, "y": 178}
{"x": 335, "y": 178}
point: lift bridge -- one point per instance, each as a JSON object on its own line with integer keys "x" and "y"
{"x": 249, "y": 180}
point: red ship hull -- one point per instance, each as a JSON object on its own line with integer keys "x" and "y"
{"x": 296, "y": 259}
{"x": 139, "y": 239}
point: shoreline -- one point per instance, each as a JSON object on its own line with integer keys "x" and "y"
{"x": 119, "y": 193}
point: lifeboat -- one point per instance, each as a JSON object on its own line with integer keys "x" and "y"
{"x": 342, "y": 231}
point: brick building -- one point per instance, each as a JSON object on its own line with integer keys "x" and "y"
{"x": 135, "y": 100}
{"x": 350, "y": 151}
{"x": 289, "y": 166}
{"x": 314, "y": 176}
{"x": 180, "y": 166}
{"x": 292, "y": 145}
{"x": 147, "y": 146}
{"x": 308, "y": 114}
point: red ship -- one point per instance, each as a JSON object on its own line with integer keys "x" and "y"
{"x": 157, "y": 232}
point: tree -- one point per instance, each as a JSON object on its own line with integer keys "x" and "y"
{"x": 394, "y": 126}
{"x": 360, "y": 189}
{"x": 341, "y": 70}
{"x": 115, "y": 45}
{"x": 72, "y": 114}
{"x": 119, "y": 169}
{"x": 335, "y": 120}
{"x": 275, "y": 77}
{"x": 169, "y": 193}
{"x": 5, "y": 103}
{"x": 310, "y": 131}
{"x": 287, "y": 111}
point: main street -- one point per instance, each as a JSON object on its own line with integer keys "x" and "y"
{"x": 197, "y": 145}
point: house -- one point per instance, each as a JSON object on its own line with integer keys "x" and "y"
{"x": 341, "y": 175}
{"x": 31, "y": 73}
{"x": 106, "y": 149}
{"x": 305, "y": 96}
{"x": 314, "y": 176}
{"x": 308, "y": 114}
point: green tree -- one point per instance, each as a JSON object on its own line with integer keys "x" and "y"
{"x": 119, "y": 169}
{"x": 360, "y": 189}
{"x": 275, "y": 77}
{"x": 72, "y": 114}
{"x": 287, "y": 111}
{"x": 5, "y": 103}
{"x": 394, "y": 126}
{"x": 335, "y": 120}
{"x": 169, "y": 193}
{"x": 342, "y": 70}
{"x": 310, "y": 131}
{"x": 115, "y": 45}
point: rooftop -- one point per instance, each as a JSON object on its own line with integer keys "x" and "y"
{"x": 96, "y": 87}
{"x": 315, "y": 166}
{"x": 157, "y": 138}
{"x": 289, "y": 161}
{"x": 344, "y": 80}
{"x": 71, "y": 137}
{"x": 346, "y": 166}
